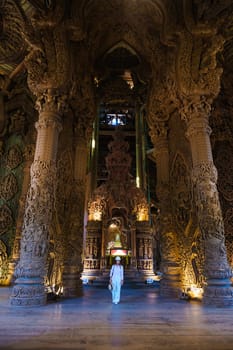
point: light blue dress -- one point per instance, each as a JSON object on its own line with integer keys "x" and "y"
{"x": 117, "y": 276}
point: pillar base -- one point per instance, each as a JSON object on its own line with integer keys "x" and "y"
{"x": 28, "y": 292}
{"x": 72, "y": 285}
{"x": 11, "y": 270}
{"x": 170, "y": 287}
{"x": 170, "y": 284}
{"x": 218, "y": 293}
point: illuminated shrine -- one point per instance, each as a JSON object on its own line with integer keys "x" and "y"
{"x": 118, "y": 221}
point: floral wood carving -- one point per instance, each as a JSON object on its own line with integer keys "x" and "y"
{"x": 8, "y": 187}
{"x": 14, "y": 157}
{"x": 181, "y": 192}
{"x": 6, "y": 218}
{"x": 3, "y": 261}
{"x": 12, "y": 47}
{"x": 197, "y": 70}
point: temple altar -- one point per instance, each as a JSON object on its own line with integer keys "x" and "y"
{"x": 119, "y": 228}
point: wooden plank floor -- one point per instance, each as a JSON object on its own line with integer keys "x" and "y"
{"x": 142, "y": 320}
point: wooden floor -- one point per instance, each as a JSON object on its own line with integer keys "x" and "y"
{"x": 142, "y": 320}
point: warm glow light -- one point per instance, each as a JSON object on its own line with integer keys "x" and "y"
{"x": 157, "y": 278}
{"x": 127, "y": 76}
{"x": 195, "y": 292}
{"x": 142, "y": 215}
{"x": 97, "y": 216}
{"x": 137, "y": 181}
{"x": 113, "y": 226}
{"x": 93, "y": 144}
{"x": 120, "y": 252}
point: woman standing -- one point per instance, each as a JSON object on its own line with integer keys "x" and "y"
{"x": 116, "y": 280}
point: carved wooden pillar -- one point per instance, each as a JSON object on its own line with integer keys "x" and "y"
{"x": 30, "y": 272}
{"x": 139, "y": 165}
{"x": 92, "y": 253}
{"x": 133, "y": 247}
{"x": 170, "y": 284}
{"x": 28, "y": 156}
{"x": 103, "y": 261}
{"x": 72, "y": 284}
{"x": 144, "y": 248}
{"x": 218, "y": 290}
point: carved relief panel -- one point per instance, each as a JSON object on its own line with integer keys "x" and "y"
{"x": 64, "y": 204}
{"x": 181, "y": 192}
{"x": 6, "y": 219}
{"x": 11, "y": 169}
{"x": 192, "y": 257}
{"x": 144, "y": 247}
{"x": 92, "y": 253}
{"x": 8, "y": 187}
{"x": 3, "y": 262}
{"x": 189, "y": 242}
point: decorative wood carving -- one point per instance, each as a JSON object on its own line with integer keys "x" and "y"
{"x": 14, "y": 157}
{"x": 8, "y": 187}
{"x": 181, "y": 192}
{"x": 119, "y": 191}
{"x": 12, "y": 48}
{"x": 3, "y": 262}
{"x": 6, "y": 218}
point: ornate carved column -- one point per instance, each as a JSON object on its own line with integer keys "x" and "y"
{"x": 72, "y": 284}
{"x": 133, "y": 247}
{"x": 218, "y": 290}
{"x": 28, "y": 156}
{"x": 139, "y": 146}
{"x": 170, "y": 284}
{"x": 31, "y": 269}
{"x": 144, "y": 248}
{"x": 92, "y": 253}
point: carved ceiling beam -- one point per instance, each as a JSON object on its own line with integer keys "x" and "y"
{"x": 12, "y": 49}
{"x": 162, "y": 99}
{"x": 162, "y": 102}
{"x": 48, "y": 61}
{"x": 197, "y": 68}
{"x": 40, "y": 42}
{"x": 206, "y": 12}
{"x": 207, "y": 26}
{"x": 193, "y": 22}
